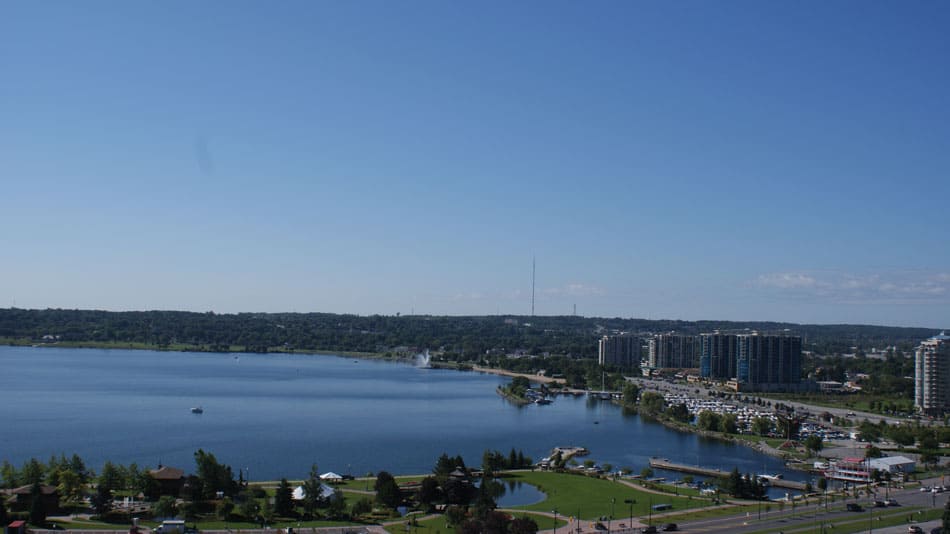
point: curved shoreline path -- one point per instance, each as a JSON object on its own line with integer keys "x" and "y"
{"x": 534, "y": 378}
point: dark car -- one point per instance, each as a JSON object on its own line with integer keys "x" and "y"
{"x": 648, "y": 530}
{"x": 854, "y": 507}
{"x": 670, "y": 527}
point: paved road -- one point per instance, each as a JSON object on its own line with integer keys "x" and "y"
{"x": 803, "y": 516}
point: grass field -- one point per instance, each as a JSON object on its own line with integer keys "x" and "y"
{"x": 587, "y": 497}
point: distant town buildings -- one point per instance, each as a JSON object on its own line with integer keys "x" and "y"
{"x": 932, "y": 375}
{"x": 673, "y": 351}
{"x": 622, "y": 350}
{"x": 755, "y": 361}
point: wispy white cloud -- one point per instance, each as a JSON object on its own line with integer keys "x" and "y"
{"x": 786, "y": 280}
{"x": 574, "y": 290}
{"x": 865, "y": 287}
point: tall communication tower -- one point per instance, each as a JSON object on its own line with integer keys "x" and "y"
{"x": 532, "y": 285}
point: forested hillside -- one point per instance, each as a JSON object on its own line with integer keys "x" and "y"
{"x": 463, "y": 336}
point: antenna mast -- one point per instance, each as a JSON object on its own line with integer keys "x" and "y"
{"x": 532, "y": 285}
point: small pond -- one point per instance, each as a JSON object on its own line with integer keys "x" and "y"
{"x": 517, "y": 493}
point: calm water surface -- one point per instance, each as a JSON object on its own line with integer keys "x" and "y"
{"x": 276, "y": 414}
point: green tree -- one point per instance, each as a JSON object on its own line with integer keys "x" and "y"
{"x": 31, "y": 473}
{"x": 102, "y": 500}
{"x": 9, "y": 475}
{"x": 37, "y": 506}
{"x": 3, "y": 513}
{"x": 77, "y": 466}
{"x": 111, "y": 478}
{"x": 761, "y": 426}
{"x": 313, "y": 491}
{"x": 651, "y": 403}
{"x": 428, "y": 491}
{"x": 284, "y": 499}
{"x": 455, "y": 514}
{"x": 224, "y": 508}
{"x": 165, "y": 507}
{"x": 928, "y": 441}
{"x": 361, "y": 507}
{"x": 680, "y": 412}
{"x": 630, "y": 393}
{"x": 249, "y": 509}
{"x": 945, "y": 519}
{"x": 213, "y": 476}
{"x": 522, "y": 525}
{"x": 336, "y": 504}
{"x": 729, "y": 424}
{"x": 387, "y": 491}
{"x": 646, "y": 472}
{"x": 814, "y": 444}
{"x": 708, "y": 420}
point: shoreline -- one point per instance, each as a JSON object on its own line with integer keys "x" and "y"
{"x": 534, "y": 378}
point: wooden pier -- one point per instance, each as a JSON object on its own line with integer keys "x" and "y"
{"x": 657, "y": 463}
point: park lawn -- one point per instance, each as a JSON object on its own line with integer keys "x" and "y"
{"x": 679, "y": 489}
{"x": 367, "y": 483}
{"x": 587, "y": 497}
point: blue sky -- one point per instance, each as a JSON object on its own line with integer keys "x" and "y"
{"x": 694, "y": 160}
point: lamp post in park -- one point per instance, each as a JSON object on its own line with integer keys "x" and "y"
{"x": 611, "y": 518}
{"x": 555, "y": 520}
{"x": 631, "y": 502}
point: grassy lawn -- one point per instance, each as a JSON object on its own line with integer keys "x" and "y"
{"x": 574, "y": 495}
{"x": 366, "y": 484}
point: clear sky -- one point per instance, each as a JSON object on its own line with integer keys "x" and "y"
{"x": 691, "y": 159}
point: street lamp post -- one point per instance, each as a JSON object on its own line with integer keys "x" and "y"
{"x": 555, "y": 520}
{"x": 650, "y": 517}
{"x": 631, "y": 502}
{"x": 611, "y": 518}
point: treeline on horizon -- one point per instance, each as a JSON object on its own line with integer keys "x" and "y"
{"x": 461, "y": 337}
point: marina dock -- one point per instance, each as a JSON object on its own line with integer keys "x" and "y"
{"x": 657, "y": 463}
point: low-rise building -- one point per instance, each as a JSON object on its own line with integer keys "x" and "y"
{"x": 893, "y": 464}
{"x": 170, "y": 479}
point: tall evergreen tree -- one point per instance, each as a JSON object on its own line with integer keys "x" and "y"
{"x": 284, "y": 499}
{"x": 37, "y": 507}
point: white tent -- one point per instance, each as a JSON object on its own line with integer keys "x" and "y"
{"x": 330, "y": 476}
{"x": 325, "y": 492}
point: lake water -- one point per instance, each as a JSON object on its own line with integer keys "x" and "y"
{"x": 275, "y": 414}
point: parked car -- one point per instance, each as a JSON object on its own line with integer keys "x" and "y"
{"x": 670, "y": 527}
{"x": 914, "y": 529}
{"x": 854, "y": 507}
{"x": 648, "y": 530}
{"x": 891, "y": 502}
{"x": 879, "y": 504}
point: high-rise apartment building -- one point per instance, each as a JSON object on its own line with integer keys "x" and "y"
{"x": 622, "y": 350}
{"x": 718, "y": 356}
{"x": 757, "y": 360}
{"x": 932, "y": 375}
{"x": 768, "y": 359}
{"x": 672, "y": 351}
